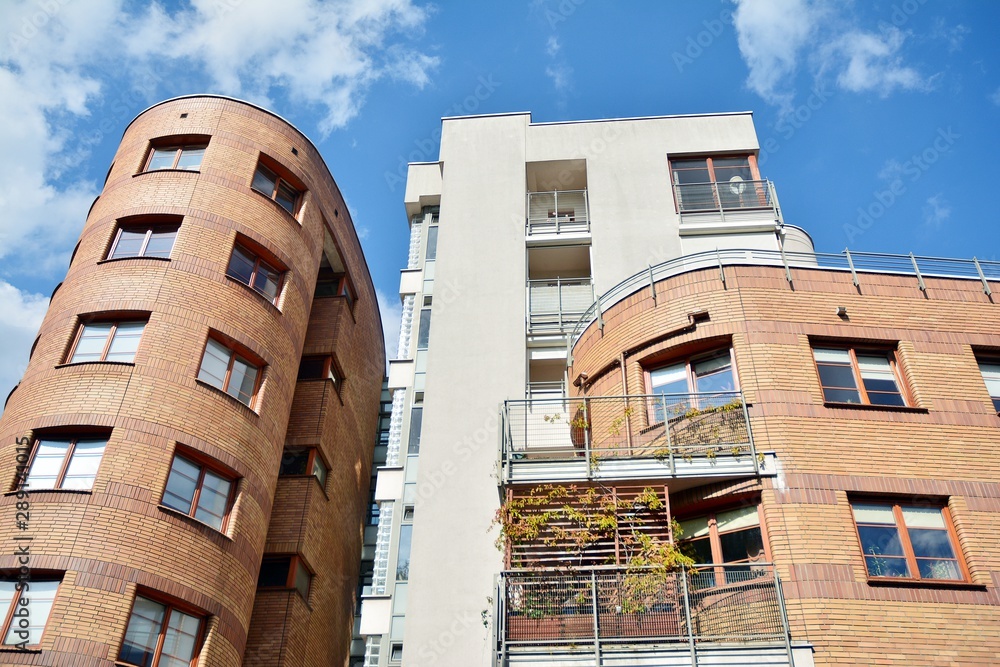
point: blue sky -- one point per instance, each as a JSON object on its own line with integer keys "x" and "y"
{"x": 870, "y": 114}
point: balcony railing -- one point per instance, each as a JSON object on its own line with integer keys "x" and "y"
{"x": 669, "y": 427}
{"x": 686, "y": 610}
{"x": 558, "y": 212}
{"x": 726, "y": 196}
{"x": 556, "y": 305}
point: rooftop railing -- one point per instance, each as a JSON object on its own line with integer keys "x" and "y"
{"x": 555, "y": 305}
{"x": 558, "y": 212}
{"x": 608, "y": 605}
{"x": 726, "y": 196}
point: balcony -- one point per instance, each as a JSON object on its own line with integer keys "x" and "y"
{"x": 628, "y": 437}
{"x": 737, "y": 204}
{"x": 616, "y": 616}
{"x": 561, "y": 212}
{"x": 557, "y": 304}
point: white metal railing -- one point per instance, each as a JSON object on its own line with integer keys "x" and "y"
{"x": 555, "y": 305}
{"x": 558, "y": 212}
{"x": 732, "y": 195}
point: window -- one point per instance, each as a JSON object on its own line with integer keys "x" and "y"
{"x": 374, "y": 509}
{"x": 160, "y": 634}
{"x": 416, "y": 422}
{"x": 403, "y": 553}
{"x": 432, "y": 243}
{"x": 248, "y": 268}
{"x": 143, "y": 240}
{"x": 107, "y": 341}
{"x": 285, "y": 572}
{"x": 37, "y": 599}
{"x": 907, "y": 541}
{"x": 990, "y": 368}
{"x": 702, "y": 381}
{"x": 270, "y": 184}
{"x": 330, "y": 284}
{"x": 858, "y": 376}
{"x": 396, "y": 653}
{"x": 224, "y": 369}
{"x": 65, "y": 463}
{"x": 424, "y": 331}
{"x": 198, "y": 491}
{"x": 187, "y": 158}
{"x": 731, "y": 536}
{"x": 708, "y": 183}
{"x": 303, "y": 461}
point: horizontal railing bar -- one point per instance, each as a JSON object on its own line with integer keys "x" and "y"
{"x": 735, "y": 567}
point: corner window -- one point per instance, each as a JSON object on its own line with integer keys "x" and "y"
{"x": 901, "y": 541}
{"x": 143, "y": 239}
{"x": 849, "y": 375}
{"x": 249, "y": 268}
{"x": 990, "y": 368}
{"x": 274, "y": 186}
{"x": 199, "y": 491}
{"x": 329, "y": 283}
{"x": 286, "y": 572}
{"x": 303, "y": 461}
{"x": 698, "y": 382}
{"x": 711, "y": 183}
{"x": 107, "y": 341}
{"x": 65, "y": 463}
{"x": 730, "y": 536}
{"x": 186, "y": 157}
{"x": 160, "y": 634}
{"x": 37, "y": 600}
{"x": 224, "y": 369}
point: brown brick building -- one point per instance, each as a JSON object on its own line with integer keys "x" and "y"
{"x": 195, "y": 427}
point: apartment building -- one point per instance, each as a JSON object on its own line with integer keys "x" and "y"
{"x": 638, "y": 420}
{"x": 189, "y": 451}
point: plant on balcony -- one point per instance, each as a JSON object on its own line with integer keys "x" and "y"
{"x": 701, "y": 431}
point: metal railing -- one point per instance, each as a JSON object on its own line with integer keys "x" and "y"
{"x": 555, "y": 305}
{"x": 727, "y": 196}
{"x": 558, "y": 212}
{"x": 606, "y": 605}
{"x": 664, "y": 426}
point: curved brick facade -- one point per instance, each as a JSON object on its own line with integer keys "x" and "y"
{"x": 118, "y": 537}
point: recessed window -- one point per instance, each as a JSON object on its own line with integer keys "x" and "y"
{"x": 711, "y": 183}
{"x": 37, "y": 600}
{"x": 234, "y": 374}
{"x": 303, "y": 461}
{"x": 69, "y": 463}
{"x": 160, "y": 634}
{"x": 274, "y": 186}
{"x": 199, "y": 491}
{"x": 702, "y": 381}
{"x": 730, "y": 536}
{"x": 902, "y": 541}
{"x": 330, "y": 283}
{"x": 319, "y": 368}
{"x": 416, "y": 423}
{"x": 396, "y": 653}
{"x": 285, "y": 572}
{"x": 850, "y": 375}
{"x": 250, "y": 269}
{"x": 990, "y": 368}
{"x": 185, "y": 157}
{"x": 143, "y": 240}
{"x": 107, "y": 341}
{"x": 403, "y": 553}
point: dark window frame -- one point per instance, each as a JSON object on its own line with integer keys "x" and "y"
{"x": 295, "y": 561}
{"x": 261, "y": 259}
{"x": 279, "y": 176}
{"x": 237, "y": 352}
{"x": 205, "y": 464}
{"x": 314, "y": 458}
{"x": 890, "y": 352}
{"x": 170, "y": 605}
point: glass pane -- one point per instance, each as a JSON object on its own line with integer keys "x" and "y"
{"x": 827, "y": 355}
{"x": 742, "y": 545}
{"x": 699, "y": 550}
{"x": 129, "y": 243}
{"x": 241, "y": 265}
{"x": 887, "y": 567}
{"x": 47, "y": 463}
{"x": 83, "y": 466}
{"x": 7, "y": 593}
{"x": 266, "y": 281}
{"x": 831, "y": 375}
{"x": 190, "y": 158}
{"x": 694, "y": 527}
{"x": 286, "y": 197}
{"x": 931, "y": 543}
{"x": 213, "y": 500}
{"x": 841, "y": 395}
{"x": 302, "y": 580}
{"x": 884, "y": 398}
{"x": 424, "y": 333}
{"x": 939, "y": 569}
{"x": 923, "y": 517}
{"x": 743, "y": 517}
{"x": 320, "y": 471}
{"x": 242, "y": 381}
{"x": 142, "y": 633}
{"x": 160, "y": 243}
{"x": 263, "y": 180}
{"x": 163, "y": 158}
{"x": 126, "y": 341}
{"x": 869, "y": 513}
{"x": 214, "y": 364}
{"x": 991, "y": 375}
{"x": 274, "y": 572}
{"x": 728, "y": 167}
{"x": 716, "y": 381}
{"x": 880, "y": 541}
{"x": 691, "y": 171}
{"x": 403, "y": 555}
{"x": 181, "y": 484}
{"x": 294, "y": 462}
{"x": 90, "y": 347}
{"x": 179, "y": 642}
{"x": 416, "y": 422}
{"x": 432, "y": 243}
{"x": 40, "y": 597}
{"x": 669, "y": 379}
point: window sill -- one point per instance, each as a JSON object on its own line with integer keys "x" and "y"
{"x": 278, "y": 206}
{"x": 96, "y": 363}
{"x": 195, "y": 522}
{"x": 260, "y": 296}
{"x": 236, "y": 401}
{"x": 305, "y": 476}
{"x": 31, "y": 492}
{"x": 925, "y": 583}
{"x": 10, "y": 648}
{"x": 121, "y": 259}
{"x": 871, "y": 406}
{"x": 168, "y": 171}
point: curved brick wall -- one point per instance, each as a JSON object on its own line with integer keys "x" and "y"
{"x": 117, "y": 537}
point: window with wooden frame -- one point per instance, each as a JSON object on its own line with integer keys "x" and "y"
{"x": 320, "y": 367}
{"x": 285, "y": 572}
{"x": 859, "y": 375}
{"x": 107, "y": 340}
{"x": 707, "y": 182}
{"x": 37, "y": 599}
{"x": 331, "y": 284}
{"x": 730, "y": 536}
{"x": 263, "y": 275}
{"x": 161, "y": 634}
{"x": 303, "y": 461}
{"x": 990, "y": 368}
{"x": 231, "y": 371}
{"x": 701, "y": 381}
{"x": 67, "y": 463}
{"x": 200, "y": 488}
{"x": 277, "y": 184}
{"x": 901, "y": 541}
{"x": 149, "y": 237}
{"x": 183, "y": 153}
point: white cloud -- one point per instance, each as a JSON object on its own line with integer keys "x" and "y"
{"x": 937, "y": 211}
{"x": 561, "y": 75}
{"x": 995, "y": 97}
{"x": 391, "y": 311}
{"x": 22, "y": 315}
{"x": 870, "y": 62}
{"x": 954, "y": 36}
{"x": 552, "y": 46}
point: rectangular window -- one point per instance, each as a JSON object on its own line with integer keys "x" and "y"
{"x": 187, "y": 158}
{"x": 850, "y": 375}
{"x": 990, "y": 368}
{"x": 249, "y": 269}
{"x": 198, "y": 491}
{"x": 731, "y": 536}
{"x": 432, "y": 243}
{"x": 907, "y": 541}
{"x": 143, "y": 241}
{"x": 273, "y": 186}
{"x": 67, "y": 464}
{"x": 708, "y": 183}
{"x": 424, "y": 332}
{"x": 403, "y": 554}
{"x": 285, "y": 572}
{"x": 703, "y": 381}
{"x": 416, "y": 421}
{"x": 160, "y": 634}
{"x": 303, "y": 461}
{"x": 222, "y": 368}
{"x": 107, "y": 341}
{"x": 37, "y": 599}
